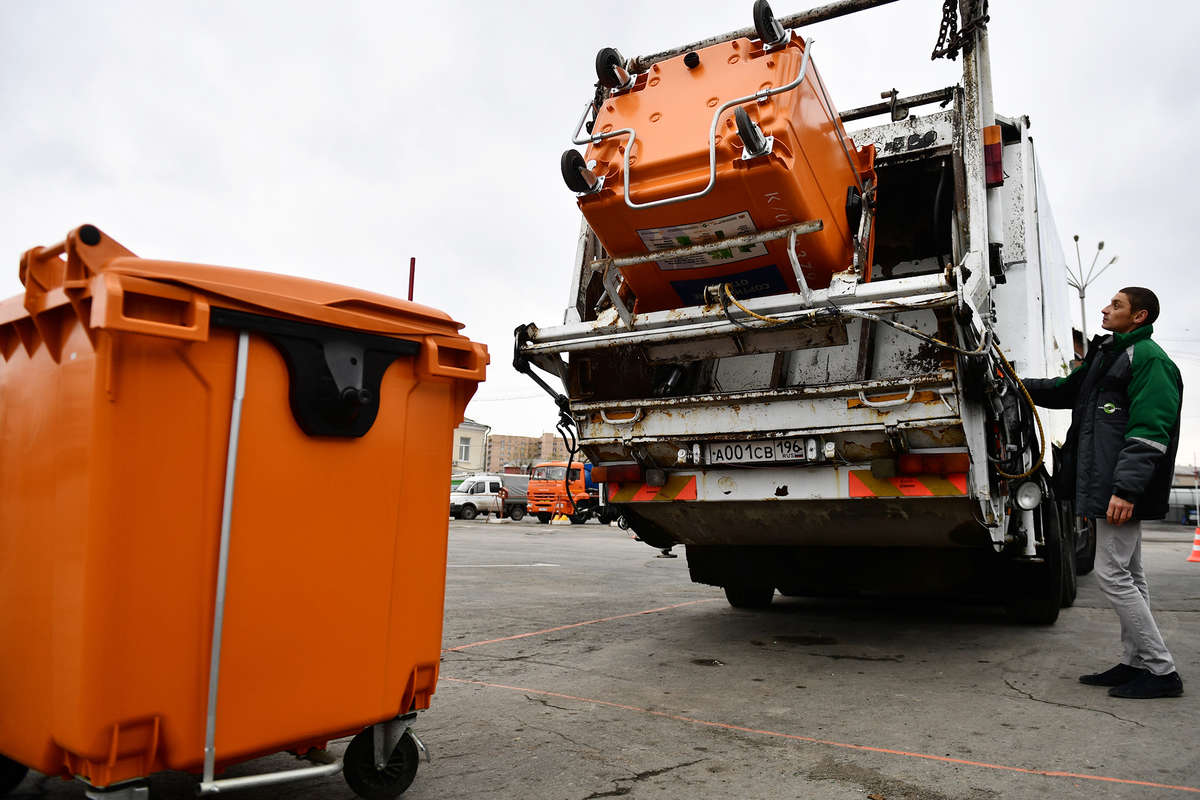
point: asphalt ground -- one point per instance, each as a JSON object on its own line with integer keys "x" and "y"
{"x": 578, "y": 665}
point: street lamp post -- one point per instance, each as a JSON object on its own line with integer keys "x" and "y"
{"x": 1080, "y": 282}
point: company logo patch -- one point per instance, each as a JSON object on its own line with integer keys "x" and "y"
{"x": 1110, "y": 408}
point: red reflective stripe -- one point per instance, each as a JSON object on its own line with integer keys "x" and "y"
{"x": 858, "y": 488}
{"x": 645, "y": 493}
{"x": 959, "y": 480}
{"x": 689, "y": 491}
{"x": 911, "y": 487}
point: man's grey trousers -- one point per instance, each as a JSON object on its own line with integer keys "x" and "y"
{"x": 1123, "y": 581}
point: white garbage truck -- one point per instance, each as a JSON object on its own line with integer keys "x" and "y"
{"x": 862, "y": 430}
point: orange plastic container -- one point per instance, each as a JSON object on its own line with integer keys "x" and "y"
{"x": 116, "y": 402}
{"x": 807, "y": 175}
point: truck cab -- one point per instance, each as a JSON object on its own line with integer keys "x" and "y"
{"x": 548, "y": 492}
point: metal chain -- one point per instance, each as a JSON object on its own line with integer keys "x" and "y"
{"x": 950, "y": 38}
{"x": 947, "y": 42}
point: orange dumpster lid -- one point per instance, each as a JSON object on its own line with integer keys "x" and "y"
{"x": 52, "y": 274}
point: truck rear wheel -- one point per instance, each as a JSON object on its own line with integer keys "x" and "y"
{"x": 1085, "y": 531}
{"x": 516, "y": 513}
{"x": 544, "y": 517}
{"x": 1070, "y": 581}
{"x": 467, "y": 512}
{"x": 1034, "y": 590}
{"x": 750, "y": 597}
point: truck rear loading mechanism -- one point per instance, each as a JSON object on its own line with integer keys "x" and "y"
{"x": 869, "y": 434}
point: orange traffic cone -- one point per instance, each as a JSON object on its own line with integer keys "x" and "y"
{"x": 1195, "y": 557}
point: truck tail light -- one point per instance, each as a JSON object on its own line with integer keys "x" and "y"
{"x": 993, "y": 156}
{"x": 940, "y": 464}
{"x": 617, "y": 473}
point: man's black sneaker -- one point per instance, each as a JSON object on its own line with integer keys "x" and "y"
{"x": 1118, "y": 675}
{"x": 1147, "y": 686}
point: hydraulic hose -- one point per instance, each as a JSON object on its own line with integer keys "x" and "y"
{"x": 1012, "y": 373}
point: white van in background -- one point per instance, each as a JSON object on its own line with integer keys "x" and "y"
{"x": 480, "y": 494}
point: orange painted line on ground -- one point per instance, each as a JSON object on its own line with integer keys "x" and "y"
{"x": 829, "y": 743}
{"x": 578, "y": 625}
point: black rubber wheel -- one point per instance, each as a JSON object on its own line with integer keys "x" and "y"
{"x": 752, "y": 138}
{"x": 607, "y": 60}
{"x": 516, "y": 514}
{"x": 571, "y": 163}
{"x": 752, "y": 597}
{"x": 1085, "y": 559}
{"x": 854, "y": 209}
{"x": 371, "y": 783}
{"x": 578, "y": 519}
{"x": 544, "y": 518}
{"x": 11, "y": 774}
{"x": 1070, "y": 583}
{"x": 468, "y": 512}
{"x": 764, "y": 23}
{"x": 1034, "y": 590}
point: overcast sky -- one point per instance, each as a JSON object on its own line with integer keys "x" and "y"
{"x": 335, "y": 141}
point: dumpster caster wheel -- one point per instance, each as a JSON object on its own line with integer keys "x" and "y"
{"x": 576, "y": 175}
{"x": 610, "y": 69}
{"x": 370, "y": 782}
{"x": 766, "y": 26}
{"x": 11, "y": 774}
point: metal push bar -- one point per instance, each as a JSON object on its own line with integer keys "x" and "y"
{"x": 712, "y": 136}
{"x": 209, "y": 784}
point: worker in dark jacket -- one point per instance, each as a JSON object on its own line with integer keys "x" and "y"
{"x": 1125, "y": 400}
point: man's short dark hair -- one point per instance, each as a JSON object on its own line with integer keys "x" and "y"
{"x": 1142, "y": 299}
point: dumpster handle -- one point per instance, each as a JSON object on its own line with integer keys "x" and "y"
{"x": 214, "y": 668}
{"x": 110, "y": 289}
{"x": 208, "y": 784}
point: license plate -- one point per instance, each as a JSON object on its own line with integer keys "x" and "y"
{"x": 755, "y": 452}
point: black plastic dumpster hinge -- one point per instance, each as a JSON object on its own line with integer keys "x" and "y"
{"x": 334, "y": 374}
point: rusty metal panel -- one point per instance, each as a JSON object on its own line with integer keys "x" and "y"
{"x": 766, "y": 341}
{"x": 912, "y": 136}
{"x": 758, "y": 412}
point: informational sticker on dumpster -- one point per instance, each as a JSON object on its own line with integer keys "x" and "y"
{"x": 758, "y": 282}
{"x": 712, "y": 231}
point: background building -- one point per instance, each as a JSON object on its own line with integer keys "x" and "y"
{"x": 519, "y": 453}
{"x": 515, "y": 452}
{"x": 469, "y": 446}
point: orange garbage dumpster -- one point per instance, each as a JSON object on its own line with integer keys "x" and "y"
{"x": 222, "y": 519}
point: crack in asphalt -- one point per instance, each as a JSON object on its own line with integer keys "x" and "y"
{"x": 562, "y": 735}
{"x": 1068, "y": 705}
{"x": 836, "y": 657}
{"x": 640, "y": 776}
{"x": 548, "y": 704}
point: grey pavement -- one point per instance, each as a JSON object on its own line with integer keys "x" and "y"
{"x": 560, "y": 688}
